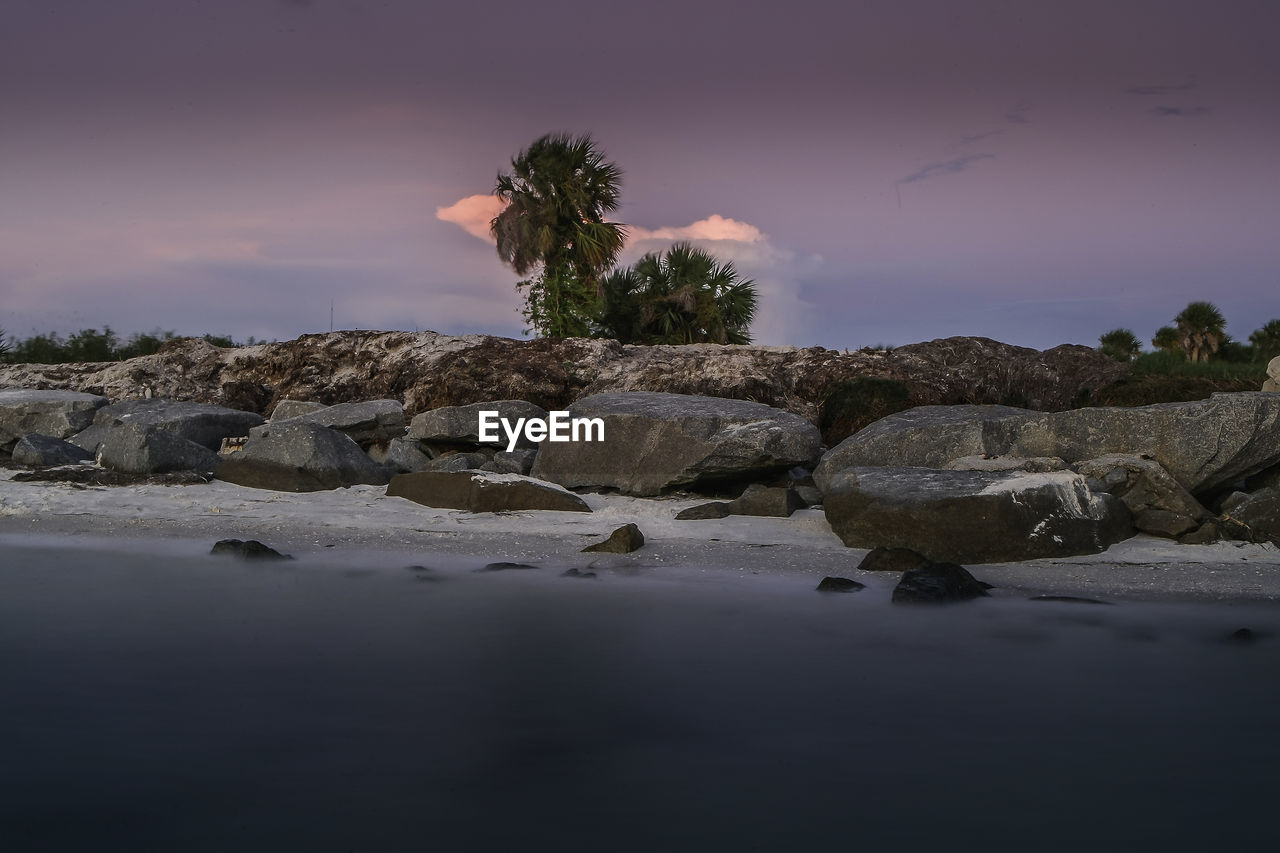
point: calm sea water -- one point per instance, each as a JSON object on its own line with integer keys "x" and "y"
{"x": 172, "y": 703}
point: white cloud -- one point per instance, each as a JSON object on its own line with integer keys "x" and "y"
{"x": 782, "y": 317}
{"x": 473, "y": 214}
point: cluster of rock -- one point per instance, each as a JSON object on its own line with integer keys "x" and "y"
{"x": 428, "y": 371}
{"x": 956, "y": 484}
{"x": 993, "y": 483}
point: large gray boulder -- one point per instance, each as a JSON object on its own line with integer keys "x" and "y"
{"x": 42, "y": 451}
{"x": 203, "y": 423}
{"x": 287, "y": 409}
{"x": 140, "y": 448}
{"x": 1258, "y": 511}
{"x": 368, "y": 423}
{"x": 482, "y": 491}
{"x": 973, "y": 516}
{"x": 1203, "y": 444}
{"x": 460, "y": 424}
{"x": 55, "y": 413}
{"x": 301, "y": 457}
{"x": 1159, "y": 504}
{"x": 657, "y": 442}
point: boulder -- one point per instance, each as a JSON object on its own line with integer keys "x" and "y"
{"x": 402, "y": 455}
{"x": 42, "y": 451}
{"x": 59, "y": 414}
{"x": 461, "y": 424}
{"x": 1159, "y": 504}
{"x": 773, "y": 501}
{"x": 511, "y": 462}
{"x": 1272, "y": 383}
{"x": 90, "y": 438}
{"x": 1259, "y": 511}
{"x": 938, "y": 583}
{"x": 973, "y": 516}
{"x": 481, "y": 491}
{"x": 372, "y": 422}
{"x": 141, "y": 448}
{"x": 287, "y": 409}
{"x": 301, "y": 457}
{"x": 1204, "y": 444}
{"x": 702, "y": 512}
{"x": 203, "y": 423}
{"x": 624, "y": 540}
{"x": 834, "y": 584}
{"x": 657, "y": 442}
{"x": 250, "y": 550}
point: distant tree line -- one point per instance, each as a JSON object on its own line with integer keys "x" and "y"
{"x": 93, "y": 345}
{"x": 1198, "y": 334}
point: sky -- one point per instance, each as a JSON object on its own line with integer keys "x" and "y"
{"x": 886, "y": 172}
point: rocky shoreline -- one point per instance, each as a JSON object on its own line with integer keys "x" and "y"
{"x": 949, "y": 486}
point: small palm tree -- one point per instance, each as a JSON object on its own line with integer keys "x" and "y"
{"x": 1120, "y": 344}
{"x": 1266, "y": 342}
{"x": 1167, "y": 339}
{"x": 557, "y": 194}
{"x": 683, "y": 296}
{"x": 1201, "y": 330}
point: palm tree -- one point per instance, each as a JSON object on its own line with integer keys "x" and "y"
{"x": 1167, "y": 339}
{"x": 1120, "y": 344}
{"x": 684, "y": 296}
{"x": 1266, "y": 342}
{"x": 1201, "y": 330}
{"x": 557, "y": 194}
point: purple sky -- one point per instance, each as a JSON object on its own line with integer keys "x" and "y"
{"x": 887, "y": 171}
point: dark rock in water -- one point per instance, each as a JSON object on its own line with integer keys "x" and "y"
{"x": 202, "y": 423}
{"x": 624, "y": 540}
{"x": 770, "y": 501}
{"x": 42, "y": 451}
{"x": 59, "y": 414}
{"x": 714, "y": 509}
{"x": 658, "y": 442}
{"x": 301, "y": 457}
{"x": 1203, "y": 444}
{"x": 830, "y": 584}
{"x": 1068, "y": 599}
{"x": 367, "y": 423}
{"x": 973, "y": 516}
{"x": 480, "y": 491}
{"x": 504, "y": 566}
{"x": 577, "y": 573}
{"x": 461, "y": 424}
{"x": 937, "y": 583}
{"x": 247, "y": 550}
{"x": 1244, "y": 636}
{"x": 1162, "y": 522}
{"x": 136, "y": 447}
{"x": 892, "y": 560}
{"x": 92, "y": 475}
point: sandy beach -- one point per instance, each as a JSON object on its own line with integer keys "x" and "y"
{"x": 362, "y": 525}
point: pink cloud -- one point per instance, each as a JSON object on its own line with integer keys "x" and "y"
{"x": 714, "y": 227}
{"x": 473, "y": 214}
